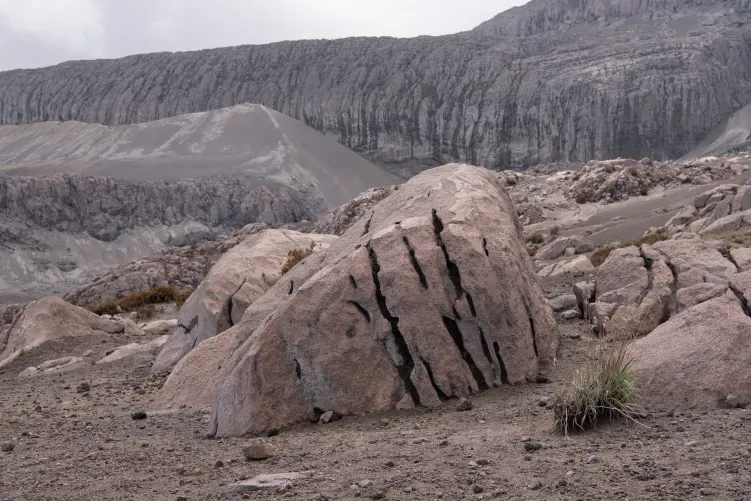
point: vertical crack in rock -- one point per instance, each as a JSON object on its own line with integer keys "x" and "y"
{"x": 742, "y": 298}
{"x": 486, "y": 351}
{"x": 367, "y": 225}
{"x": 298, "y": 370}
{"x": 673, "y": 306}
{"x": 291, "y": 287}
{"x": 650, "y": 276}
{"x": 727, "y": 255}
{"x": 353, "y": 282}
{"x": 415, "y": 263}
{"x": 456, "y": 335}
{"x": 407, "y": 363}
{"x": 485, "y": 246}
{"x": 532, "y": 327}
{"x": 362, "y": 310}
{"x": 190, "y": 326}
{"x": 229, "y": 304}
{"x": 441, "y": 395}
{"x": 453, "y": 270}
{"x": 471, "y": 304}
{"x": 504, "y": 374}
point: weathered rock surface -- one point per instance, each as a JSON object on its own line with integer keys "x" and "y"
{"x": 344, "y": 216}
{"x": 576, "y": 266}
{"x": 721, "y": 210}
{"x": 237, "y": 279}
{"x": 698, "y": 357}
{"x": 602, "y": 79}
{"x": 557, "y": 247}
{"x": 48, "y": 319}
{"x": 431, "y": 297}
{"x": 133, "y": 349}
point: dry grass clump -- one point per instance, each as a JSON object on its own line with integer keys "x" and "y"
{"x": 603, "y": 390}
{"x": 536, "y": 238}
{"x": 600, "y": 255}
{"x": 136, "y": 301}
{"x": 734, "y": 239}
{"x": 295, "y": 256}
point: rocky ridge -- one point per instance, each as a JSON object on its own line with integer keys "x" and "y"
{"x": 548, "y": 81}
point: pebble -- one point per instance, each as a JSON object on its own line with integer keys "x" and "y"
{"x": 138, "y": 415}
{"x": 534, "y": 486}
{"x": 592, "y": 459}
{"x": 570, "y": 473}
{"x": 389, "y": 464}
{"x": 327, "y": 417}
{"x": 464, "y": 405}
{"x": 83, "y": 388}
{"x": 365, "y": 483}
{"x": 7, "y": 446}
{"x": 477, "y": 489}
{"x": 219, "y": 464}
{"x": 543, "y": 402}
{"x": 472, "y": 464}
{"x": 532, "y": 446}
{"x": 692, "y": 443}
{"x": 258, "y": 448}
{"x": 526, "y": 438}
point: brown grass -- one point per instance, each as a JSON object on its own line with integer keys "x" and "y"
{"x": 733, "y": 239}
{"x": 294, "y": 257}
{"x": 136, "y": 301}
{"x": 601, "y": 255}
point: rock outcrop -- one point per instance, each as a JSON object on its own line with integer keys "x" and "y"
{"x": 543, "y": 82}
{"x": 48, "y": 319}
{"x": 719, "y": 211}
{"x": 430, "y": 297}
{"x": 238, "y": 278}
{"x": 698, "y": 357}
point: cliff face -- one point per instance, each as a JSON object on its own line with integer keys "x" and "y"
{"x": 549, "y": 81}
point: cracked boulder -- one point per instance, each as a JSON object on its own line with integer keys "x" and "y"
{"x": 430, "y": 297}
{"x": 698, "y": 357}
{"x": 49, "y": 319}
{"x": 639, "y": 288}
{"x": 237, "y": 279}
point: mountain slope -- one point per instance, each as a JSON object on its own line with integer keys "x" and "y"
{"x": 245, "y": 139}
{"x": 552, "y": 80}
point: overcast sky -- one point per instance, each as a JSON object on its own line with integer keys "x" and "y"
{"x": 37, "y": 33}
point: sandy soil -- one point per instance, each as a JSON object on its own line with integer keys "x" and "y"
{"x": 85, "y": 446}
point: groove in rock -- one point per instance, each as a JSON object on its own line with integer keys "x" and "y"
{"x": 727, "y": 255}
{"x": 456, "y": 335}
{"x": 291, "y": 287}
{"x": 485, "y": 246}
{"x": 441, "y": 396}
{"x": 650, "y": 276}
{"x": 415, "y": 263}
{"x": 485, "y": 348}
{"x": 453, "y": 269}
{"x": 298, "y": 370}
{"x": 673, "y": 307}
{"x": 407, "y": 363}
{"x": 362, "y": 310}
{"x": 534, "y": 335}
{"x": 229, "y": 304}
{"x": 367, "y": 225}
{"x": 190, "y": 326}
{"x": 352, "y": 281}
{"x": 471, "y": 304}
{"x": 504, "y": 374}
{"x": 742, "y": 298}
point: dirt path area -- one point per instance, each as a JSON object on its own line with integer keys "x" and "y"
{"x": 85, "y": 446}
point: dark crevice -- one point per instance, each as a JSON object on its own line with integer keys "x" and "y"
{"x": 727, "y": 255}
{"x": 504, "y": 374}
{"x": 367, "y": 225}
{"x": 195, "y": 342}
{"x": 407, "y": 363}
{"x": 456, "y": 314}
{"x": 742, "y": 298}
{"x": 485, "y": 246}
{"x": 291, "y": 287}
{"x": 456, "y": 335}
{"x": 229, "y": 304}
{"x": 673, "y": 306}
{"x": 441, "y": 396}
{"x": 534, "y": 335}
{"x": 362, "y": 310}
{"x": 485, "y": 348}
{"x": 298, "y": 370}
{"x": 453, "y": 270}
{"x": 415, "y": 263}
{"x": 471, "y": 304}
{"x": 190, "y": 326}
{"x": 650, "y": 276}
{"x": 352, "y": 281}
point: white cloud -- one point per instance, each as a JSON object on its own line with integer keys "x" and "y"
{"x": 42, "y": 32}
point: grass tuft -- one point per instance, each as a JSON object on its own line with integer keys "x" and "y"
{"x": 295, "y": 256}
{"x": 603, "y": 390}
{"x": 136, "y": 301}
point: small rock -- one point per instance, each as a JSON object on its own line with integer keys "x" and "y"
{"x": 464, "y": 405}
{"x": 28, "y": 372}
{"x": 532, "y": 446}
{"x": 692, "y": 443}
{"x": 377, "y": 494}
{"x": 592, "y": 459}
{"x": 570, "y": 315}
{"x": 482, "y": 462}
{"x": 88, "y": 353}
{"x": 258, "y": 448}
{"x": 7, "y": 446}
{"x": 543, "y": 402}
{"x": 195, "y": 472}
{"x": 219, "y": 464}
{"x": 562, "y": 483}
{"x": 570, "y": 473}
{"x": 542, "y": 379}
{"x": 327, "y": 417}
{"x": 389, "y": 464}
{"x": 138, "y": 415}
{"x": 181, "y": 498}
{"x": 477, "y": 489}
{"x": 526, "y": 438}
{"x": 732, "y": 401}
{"x": 472, "y": 464}
{"x": 83, "y": 388}
{"x": 364, "y": 483}
{"x": 534, "y": 486}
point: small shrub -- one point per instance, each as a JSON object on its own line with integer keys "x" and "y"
{"x": 182, "y": 297}
{"x": 536, "y": 238}
{"x": 145, "y": 312}
{"x": 554, "y": 231}
{"x": 603, "y": 390}
{"x": 581, "y": 199}
{"x": 531, "y": 252}
{"x": 599, "y": 256}
{"x": 295, "y": 256}
{"x": 138, "y": 300}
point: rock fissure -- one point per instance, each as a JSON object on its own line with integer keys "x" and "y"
{"x": 453, "y": 269}
{"x": 229, "y": 303}
{"x": 407, "y": 363}
{"x": 291, "y": 287}
{"x": 485, "y": 246}
{"x": 415, "y": 263}
{"x": 367, "y": 225}
{"x": 441, "y": 395}
{"x": 361, "y": 309}
{"x": 504, "y": 374}
{"x": 742, "y": 298}
{"x": 353, "y": 282}
{"x": 456, "y": 334}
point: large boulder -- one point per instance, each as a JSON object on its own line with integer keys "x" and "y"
{"x": 52, "y": 318}
{"x": 698, "y": 357}
{"x": 237, "y": 279}
{"x": 430, "y": 297}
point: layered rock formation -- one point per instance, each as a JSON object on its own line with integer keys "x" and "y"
{"x": 547, "y": 81}
{"x": 431, "y": 296}
{"x": 240, "y": 277}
